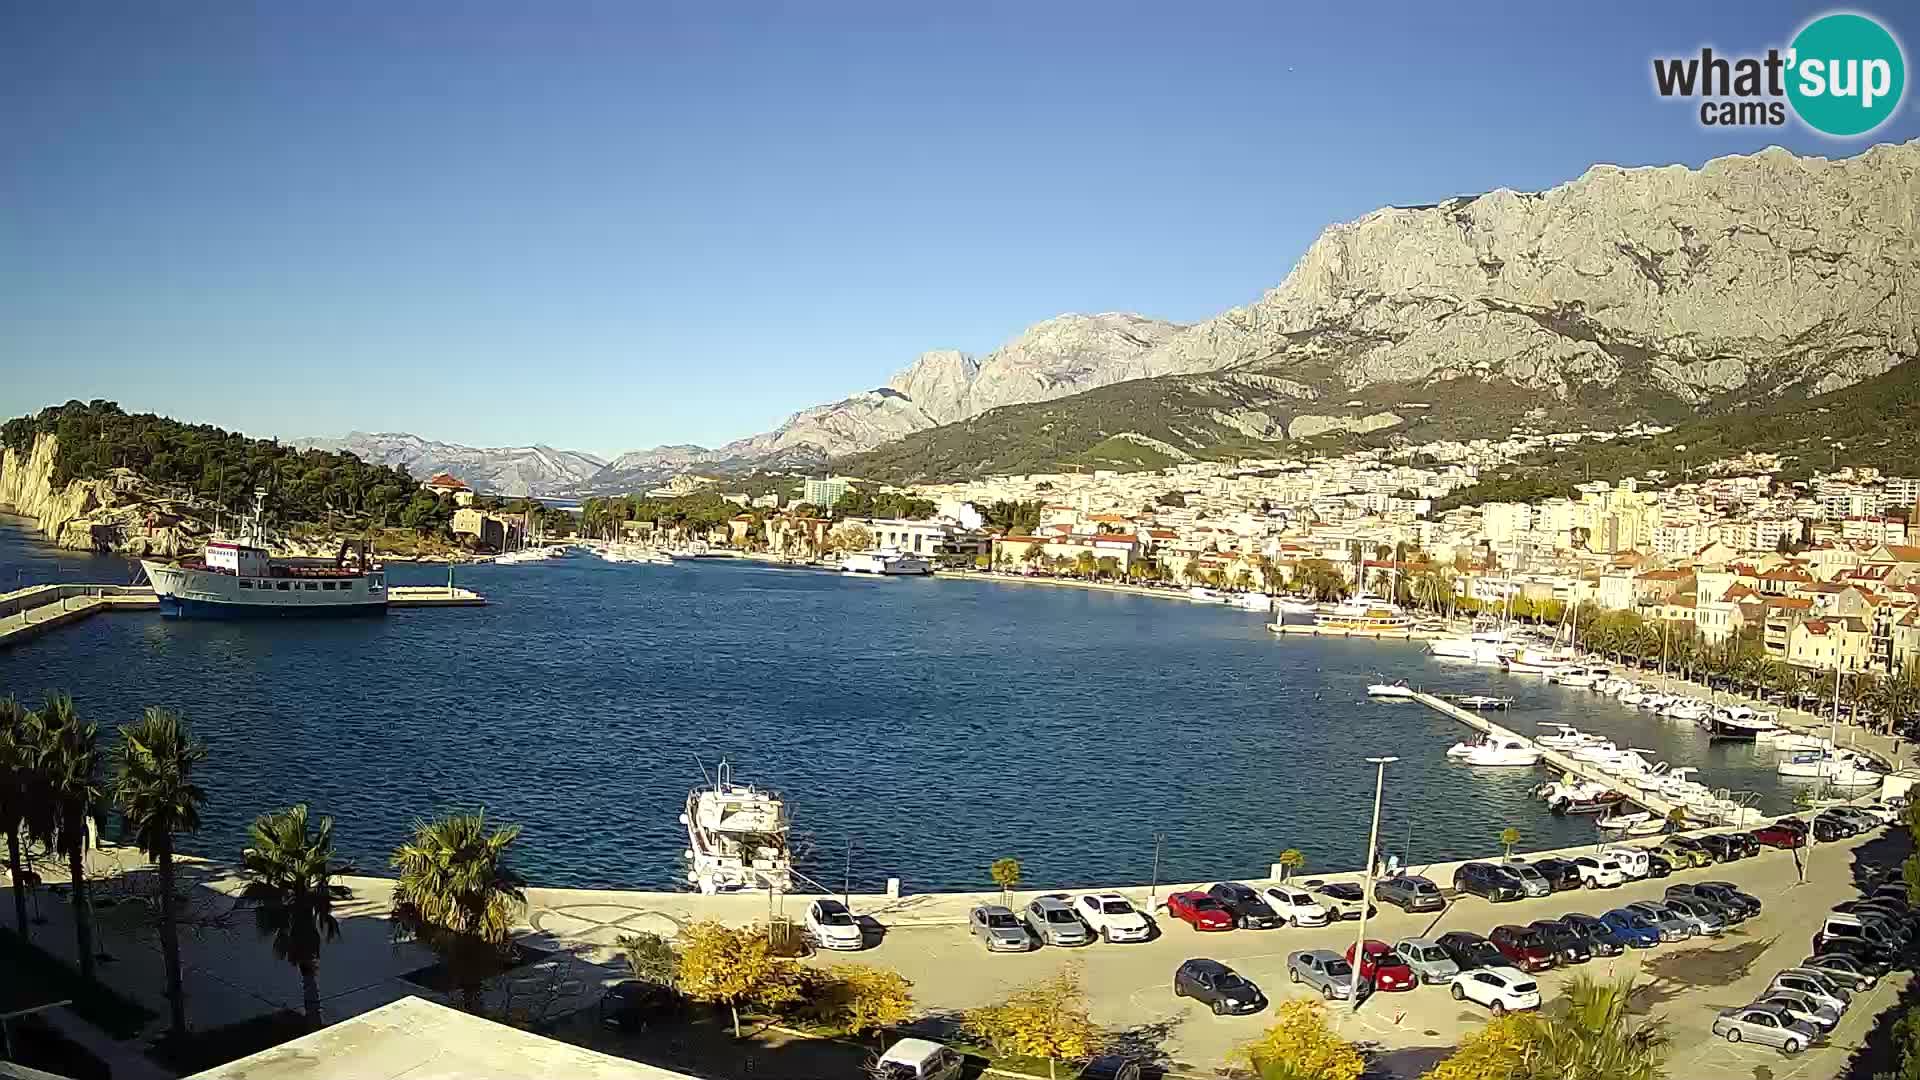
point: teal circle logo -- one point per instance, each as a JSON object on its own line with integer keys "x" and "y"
{"x": 1847, "y": 74}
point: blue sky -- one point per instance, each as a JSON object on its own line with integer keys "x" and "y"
{"x": 605, "y": 226}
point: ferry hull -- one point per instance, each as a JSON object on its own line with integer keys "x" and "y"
{"x": 176, "y": 607}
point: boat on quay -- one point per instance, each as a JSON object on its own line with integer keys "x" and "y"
{"x": 736, "y": 837}
{"x": 886, "y": 562}
{"x": 235, "y": 577}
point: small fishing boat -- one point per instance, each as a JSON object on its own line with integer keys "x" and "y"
{"x": 1619, "y": 822}
{"x": 1566, "y": 737}
{"x": 1483, "y": 702}
{"x": 1392, "y": 691}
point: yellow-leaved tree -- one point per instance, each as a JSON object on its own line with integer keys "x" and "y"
{"x": 733, "y": 967}
{"x": 1044, "y": 1019}
{"x": 1495, "y": 1052}
{"x": 1301, "y": 1045}
{"x": 861, "y": 1000}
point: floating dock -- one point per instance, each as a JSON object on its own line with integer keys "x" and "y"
{"x": 1653, "y": 801}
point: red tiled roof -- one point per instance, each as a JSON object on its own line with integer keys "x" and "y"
{"x": 446, "y": 480}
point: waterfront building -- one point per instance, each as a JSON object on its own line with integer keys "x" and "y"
{"x": 488, "y": 531}
{"x": 823, "y": 493}
{"x": 1830, "y": 643}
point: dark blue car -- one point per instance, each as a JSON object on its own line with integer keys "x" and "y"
{"x": 1631, "y": 928}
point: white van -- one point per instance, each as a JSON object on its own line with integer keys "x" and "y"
{"x": 1633, "y": 861}
{"x": 919, "y": 1059}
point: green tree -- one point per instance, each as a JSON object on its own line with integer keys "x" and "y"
{"x": 1497, "y": 1051}
{"x": 734, "y": 967}
{"x": 1302, "y": 1045}
{"x": 153, "y": 786}
{"x": 862, "y": 1000}
{"x": 290, "y": 874}
{"x": 1291, "y": 860}
{"x": 1509, "y": 836}
{"x": 1596, "y": 1037}
{"x": 1084, "y": 564}
{"x": 1107, "y": 566}
{"x": 456, "y": 895}
{"x": 68, "y": 768}
{"x": 1046, "y": 1019}
{"x": 1006, "y": 874}
{"x": 26, "y": 814}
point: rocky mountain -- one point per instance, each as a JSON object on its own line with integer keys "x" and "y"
{"x": 1650, "y": 291}
{"x": 515, "y": 470}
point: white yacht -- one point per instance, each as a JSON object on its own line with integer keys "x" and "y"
{"x": 1839, "y": 767}
{"x": 1397, "y": 690}
{"x": 1503, "y": 752}
{"x": 1738, "y": 723}
{"x": 1472, "y": 646}
{"x": 1200, "y": 594}
{"x": 1531, "y": 661}
{"x": 1565, "y": 737}
{"x": 1253, "y": 601}
{"x": 1578, "y": 675}
{"x": 1289, "y": 605}
{"x": 888, "y": 562}
{"x": 736, "y": 837}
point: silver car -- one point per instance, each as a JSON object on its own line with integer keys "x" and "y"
{"x": 1326, "y": 971}
{"x": 1814, "y": 984}
{"x": 997, "y": 929}
{"x": 1671, "y": 925}
{"x": 1706, "y": 920}
{"x": 1803, "y": 1008}
{"x": 1768, "y": 1025}
{"x": 1532, "y": 882}
{"x": 1054, "y": 923}
{"x": 1427, "y": 959}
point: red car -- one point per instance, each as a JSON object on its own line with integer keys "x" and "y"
{"x": 1779, "y": 836}
{"x": 1200, "y": 911}
{"x": 1384, "y": 967}
{"x": 1526, "y": 947}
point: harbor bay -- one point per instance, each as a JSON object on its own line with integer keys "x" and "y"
{"x": 919, "y": 729}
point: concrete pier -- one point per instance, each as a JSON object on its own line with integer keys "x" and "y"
{"x": 32, "y": 611}
{"x": 1653, "y": 801}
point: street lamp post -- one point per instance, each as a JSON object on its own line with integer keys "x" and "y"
{"x": 1366, "y": 897}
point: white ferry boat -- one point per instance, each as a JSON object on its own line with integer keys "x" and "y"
{"x": 235, "y": 578}
{"x": 1364, "y": 612}
{"x": 736, "y": 837}
{"x": 885, "y": 561}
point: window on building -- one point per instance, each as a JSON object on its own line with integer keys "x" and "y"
{"x": 245, "y": 584}
{"x": 282, "y": 586}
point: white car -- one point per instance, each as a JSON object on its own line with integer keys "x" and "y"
{"x": 1888, "y": 813}
{"x": 1500, "y": 988}
{"x": 919, "y": 1059}
{"x": 1599, "y": 872}
{"x": 1113, "y": 917}
{"x": 1296, "y": 907}
{"x": 833, "y": 926}
{"x": 1633, "y": 861}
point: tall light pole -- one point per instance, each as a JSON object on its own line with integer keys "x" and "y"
{"x": 1366, "y": 896}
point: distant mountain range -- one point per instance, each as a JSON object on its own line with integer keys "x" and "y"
{"x": 1658, "y": 293}
{"x": 502, "y": 470}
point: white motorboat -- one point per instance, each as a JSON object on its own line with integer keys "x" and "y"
{"x": 1531, "y": 661}
{"x": 1575, "y": 675}
{"x": 1596, "y": 752}
{"x": 1289, "y": 605}
{"x": 886, "y": 562}
{"x": 1504, "y": 752}
{"x": 1687, "y": 710}
{"x": 1460, "y": 750}
{"x": 1201, "y": 595}
{"x": 1738, "y": 723}
{"x": 1483, "y": 702}
{"x": 1565, "y": 737}
{"x": 1654, "y": 702}
{"x": 1471, "y": 646}
{"x": 1572, "y": 795}
{"x": 1788, "y": 740}
{"x": 1618, "y": 822}
{"x": 1395, "y": 691}
{"x": 1253, "y": 601}
{"x": 1839, "y": 767}
{"x": 737, "y": 837}
{"x": 1633, "y": 695}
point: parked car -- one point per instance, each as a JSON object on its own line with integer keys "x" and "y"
{"x": 1110, "y": 1067}
{"x": 1561, "y": 874}
{"x": 1524, "y": 947}
{"x": 1296, "y": 907}
{"x": 920, "y": 1059}
{"x": 1778, "y": 836}
{"x": 1217, "y": 986}
{"x": 1885, "y": 812}
{"x": 1326, "y": 971}
{"x": 1200, "y": 911}
{"x": 1488, "y": 881}
{"x": 1896, "y": 920}
{"x": 1703, "y": 916}
{"x": 1749, "y": 847}
{"x": 1815, "y": 985}
{"x": 1827, "y": 830}
{"x": 1568, "y": 947}
{"x": 1860, "y": 819}
{"x": 1631, "y": 928}
{"x": 1249, "y": 911}
{"x": 631, "y": 1004}
{"x": 1684, "y": 852}
{"x": 1766, "y": 1025}
{"x": 1803, "y": 1008}
{"x": 1722, "y": 847}
{"x": 1598, "y": 872}
{"x": 833, "y": 926}
{"x": 1343, "y": 900}
{"x": 1632, "y": 860}
{"x": 1843, "y": 825}
{"x": 1657, "y": 865}
{"x": 1469, "y": 950}
{"x": 1873, "y": 931}
{"x": 1382, "y": 967}
{"x": 1672, "y": 926}
{"x": 1842, "y": 970}
{"x": 1499, "y": 988}
{"x": 1113, "y": 917}
{"x": 1532, "y": 882}
{"x": 1869, "y": 956}
{"x": 998, "y": 929}
{"x": 1052, "y": 922}
{"x": 1430, "y": 962}
{"x": 1600, "y": 938}
{"x": 1730, "y": 896}
{"x": 1411, "y": 892}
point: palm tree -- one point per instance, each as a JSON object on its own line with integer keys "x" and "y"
{"x": 26, "y": 815}
{"x": 289, "y": 873}
{"x": 153, "y": 786}
{"x": 1595, "y": 1037}
{"x": 68, "y": 765}
{"x": 456, "y": 894}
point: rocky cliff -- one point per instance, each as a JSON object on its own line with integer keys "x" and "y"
{"x": 115, "y": 514}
